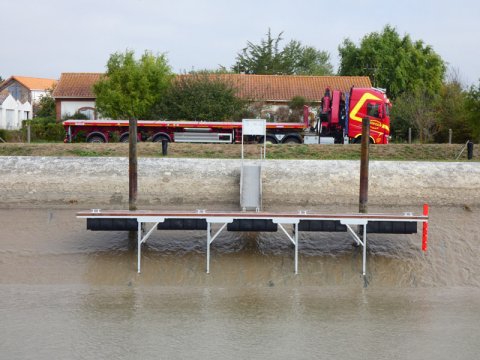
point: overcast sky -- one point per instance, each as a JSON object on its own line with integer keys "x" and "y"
{"x": 46, "y": 38}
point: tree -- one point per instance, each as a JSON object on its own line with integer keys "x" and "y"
{"x": 396, "y": 63}
{"x": 293, "y": 59}
{"x": 218, "y": 71}
{"x": 305, "y": 60}
{"x": 451, "y": 112}
{"x": 130, "y": 88}
{"x": 415, "y": 110}
{"x": 201, "y": 96}
{"x": 45, "y": 108}
{"x": 472, "y": 106}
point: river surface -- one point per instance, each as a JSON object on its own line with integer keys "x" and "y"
{"x": 68, "y": 293}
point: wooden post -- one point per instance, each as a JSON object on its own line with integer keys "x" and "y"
{"x": 450, "y": 135}
{"x": 363, "y": 200}
{"x": 132, "y": 164}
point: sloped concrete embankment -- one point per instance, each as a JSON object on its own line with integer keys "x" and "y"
{"x": 103, "y": 182}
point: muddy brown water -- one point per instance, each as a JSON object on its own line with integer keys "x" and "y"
{"x": 69, "y": 293}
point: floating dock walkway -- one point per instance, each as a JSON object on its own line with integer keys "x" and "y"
{"x": 290, "y": 223}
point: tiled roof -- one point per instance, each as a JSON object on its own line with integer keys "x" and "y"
{"x": 283, "y": 88}
{"x": 280, "y": 88}
{"x": 32, "y": 83}
{"x": 76, "y": 85}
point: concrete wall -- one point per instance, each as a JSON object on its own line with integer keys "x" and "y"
{"x": 201, "y": 183}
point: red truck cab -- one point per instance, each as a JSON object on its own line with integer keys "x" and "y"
{"x": 373, "y": 103}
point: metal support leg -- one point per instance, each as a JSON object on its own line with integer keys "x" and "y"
{"x": 364, "y": 250}
{"x": 295, "y": 229}
{"x": 209, "y": 236}
{"x": 359, "y": 241}
{"x": 139, "y": 246}
{"x": 294, "y": 240}
{"x": 140, "y": 240}
{"x": 210, "y": 239}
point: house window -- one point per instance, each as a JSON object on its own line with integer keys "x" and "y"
{"x": 89, "y": 112}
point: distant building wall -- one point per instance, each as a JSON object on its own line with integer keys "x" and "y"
{"x": 37, "y": 94}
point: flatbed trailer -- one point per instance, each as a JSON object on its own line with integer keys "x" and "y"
{"x": 178, "y": 131}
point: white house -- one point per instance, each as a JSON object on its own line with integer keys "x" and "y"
{"x": 12, "y": 111}
{"x": 26, "y": 88}
{"x": 25, "y": 91}
{"x": 74, "y": 93}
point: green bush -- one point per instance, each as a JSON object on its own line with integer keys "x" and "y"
{"x": 54, "y": 132}
{"x": 11, "y": 135}
{"x": 44, "y": 129}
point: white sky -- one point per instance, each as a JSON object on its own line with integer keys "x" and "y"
{"x": 46, "y": 38}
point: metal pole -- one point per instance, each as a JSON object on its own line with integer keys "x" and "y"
{"x": 28, "y": 133}
{"x": 132, "y": 165}
{"x": 409, "y": 135}
{"x": 363, "y": 200}
{"x": 450, "y": 133}
{"x": 139, "y": 245}
{"x": 209, "y": 235}
{"x": 364, "y": 268}
{"x": 296, "y": 247}
{"x": 470, "y": 150}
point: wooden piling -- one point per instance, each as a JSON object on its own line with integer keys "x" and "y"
{"x": 132, "y": 165}
{"x": 363, "y": 200}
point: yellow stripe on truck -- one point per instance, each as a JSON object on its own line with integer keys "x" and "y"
{"x": 356, "y": 109}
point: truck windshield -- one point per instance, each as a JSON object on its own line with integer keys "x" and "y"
{"x": 372, "y": 110}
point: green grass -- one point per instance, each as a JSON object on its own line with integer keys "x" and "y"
{"x": 398, "y": 152}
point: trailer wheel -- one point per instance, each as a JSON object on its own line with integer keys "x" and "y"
{"x": 124, "y": 139}
{"x": 96, "y": 139}
{"x": 160, "y": 138}
{"x": 292, "y": 140}
{"x": 268, "y": 139}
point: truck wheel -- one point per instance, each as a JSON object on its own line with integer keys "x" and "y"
{"x": 96, "y": 139}
{"x": 124, "y": 139}
{"x": 359, "y": 140}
